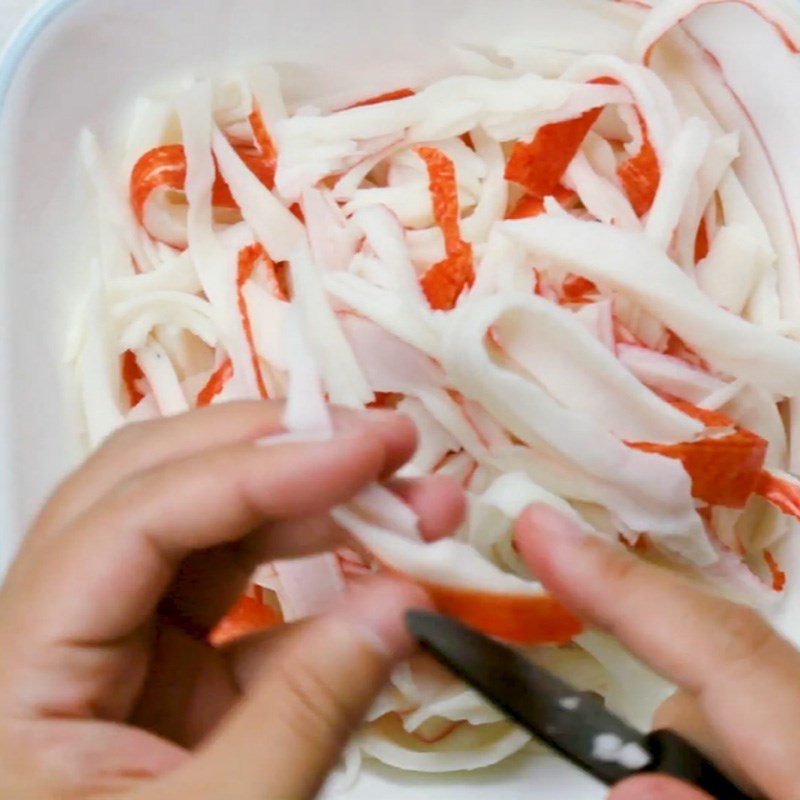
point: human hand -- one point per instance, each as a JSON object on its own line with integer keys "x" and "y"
{"x": 107, "y": 685}
{"x": 740, "y": 681}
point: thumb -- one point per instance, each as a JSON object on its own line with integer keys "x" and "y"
{"x": 655, "y": 787}
{"x": 314, "y": 691}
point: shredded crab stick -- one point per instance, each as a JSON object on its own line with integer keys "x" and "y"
{"x": 163, "y": 170}
{"x": 577, "y": 274}
{"x": 463, "y": 584}
{"x": 445, "y": 281}
{"x": 725, "y": 466}
{"x": 669, "y": 14}
{"x": 246, "y": 617}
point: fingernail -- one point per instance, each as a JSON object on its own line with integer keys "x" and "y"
{"x": 378, "y": 608}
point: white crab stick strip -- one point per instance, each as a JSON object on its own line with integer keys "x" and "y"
{"x": 399, "y": 313}
{"x": 305, "y": 410}
{"x": 342, "y": 375}
{"x": 215, "y": 259}
{"x": 314, "y": 146}
{"x": 650, "y": 96}
{"x": 600, "y": 196}
{"x": 114, "y": 211}
{"x": 160, "y": 373}
{"x": 733, "y": 267}
{"x": 567, "y": 362}
{"x": 448, "y": 562}
{"x": 275, "y": 227}
{"x": 652, "y": 494}
{"x": 681, "y": 164}
{"x": 379, "y": 520}
{"x": 669, "y": 13}
{"x": 632, "y": 264}
{"x": 386, "y": 237}
{"x": 136, "y": 317}
{"x": 332, "y": 239}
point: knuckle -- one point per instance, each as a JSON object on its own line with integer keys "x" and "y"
{"x": 311, "y": 706}
{"x": 743, "y": 636}
{"x": 618, "y": 567}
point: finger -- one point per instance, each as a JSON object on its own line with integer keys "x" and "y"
{"x": 131, "y": 542}
{"x": 439, "y": 501}
{"x": 209, "y": 581}
{"x": 145, "y": 445}
{"x": 655, "y": 787}
{"x": 681, "y": 712}
{"x": 313, "y": 693}
{"x": 746, "y": 678}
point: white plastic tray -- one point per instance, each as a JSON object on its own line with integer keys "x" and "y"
{"x": 79, "y": 62}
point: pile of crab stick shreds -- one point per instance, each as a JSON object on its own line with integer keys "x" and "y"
{"x": 577, "y": 271}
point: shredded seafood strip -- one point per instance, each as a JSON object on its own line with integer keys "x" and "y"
{"x": 573, "y": 263}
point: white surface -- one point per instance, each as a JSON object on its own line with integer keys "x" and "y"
{"x": 11, "y": 12}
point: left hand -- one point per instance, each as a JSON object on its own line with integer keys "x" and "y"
{"x": 107, "y": 685}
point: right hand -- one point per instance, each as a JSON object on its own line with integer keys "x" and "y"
{"x": 740, "y": 681}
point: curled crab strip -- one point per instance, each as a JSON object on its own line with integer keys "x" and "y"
{"x": 631, "y": 264}
{"x": 646, "y": 493}
{"x": 667, "y": 15}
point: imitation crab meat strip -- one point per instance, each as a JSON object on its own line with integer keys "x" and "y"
{"x": 568, "y": 363}
{"x": 539, "y": 164}
{"x": 332, "y": 240}
{"x": 98, "y": 365}
{"x": 460, "y": 581}
{"x": 274, "y": 225}
{"x": 464, "y": 584}
{"x": 601, "y": 198}
{"x": 163, "y": 170}
{"x": 113, "y": 209}
{"x": 161, "y": 377}
{"x": 725, "y": 468}
{"x": 215, "y": 384}
{"x": 681, "y": 164}
{"x": 646, "y": 494}
{"x": 344, "y": 380}
{"x": 385, "y": 236}
{"x": 493, "y": 199}
{"x": 733, "y": 267}
{"x": 249, "y": 259}
{"x": 670, "y": 13}
{"x": 444, "y": 282}
{"x": 630, "y": 263}
{"x": 314, "y": 147}
{"x": 138, "y": 315}
{"x": 486, "y": 749}
{"x": 781, "y": 489}
{"x": 215, "y": 259}
{"x": 246, "y": 617}
{"x": 654, "y": 122}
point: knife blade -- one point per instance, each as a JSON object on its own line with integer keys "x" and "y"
{"x": 573, "y": 723}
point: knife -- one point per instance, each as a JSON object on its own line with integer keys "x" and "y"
{"x": 575, "y": 724}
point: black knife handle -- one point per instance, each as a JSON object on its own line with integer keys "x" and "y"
{"x": 673, "y": 755}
